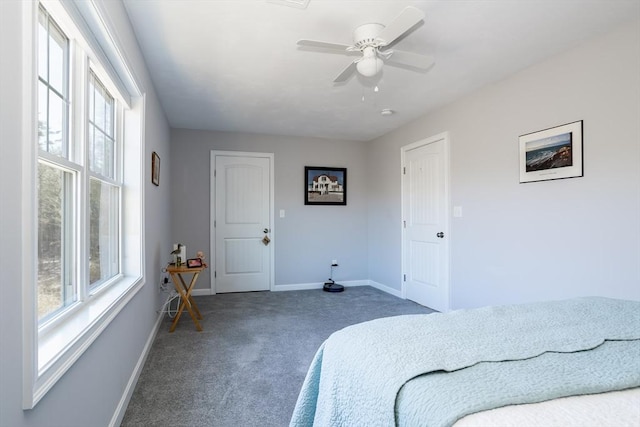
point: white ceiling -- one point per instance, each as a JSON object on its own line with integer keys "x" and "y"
{"x": 233, "y": 65}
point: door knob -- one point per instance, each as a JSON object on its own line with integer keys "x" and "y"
{"x": 440, "y": 235}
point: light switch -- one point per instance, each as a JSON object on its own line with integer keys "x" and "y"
{"x": 457, "y": 211}
{"x": 281, "y": 213}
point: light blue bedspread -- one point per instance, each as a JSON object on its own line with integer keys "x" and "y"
{"x": 441, "y": 398}
{"x": 358, "y": 371}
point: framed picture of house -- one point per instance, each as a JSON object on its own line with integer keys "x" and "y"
{"x": 554, "y": 153}
{"x": 325, "y": 185}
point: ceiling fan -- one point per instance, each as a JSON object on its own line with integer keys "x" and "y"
{"x": 371, "y": 39}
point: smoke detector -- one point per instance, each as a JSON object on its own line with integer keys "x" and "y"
{"x": 387, "y": 112}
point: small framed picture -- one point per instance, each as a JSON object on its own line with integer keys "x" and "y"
{"x": 325, "y": 185}
{"x": 194, "y": 263}
{"x": 554, "y": 153}
{"x": 155, "y": 168}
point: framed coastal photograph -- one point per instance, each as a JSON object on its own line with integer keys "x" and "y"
{"x": 325, "y": 185}
{"x": 554, "y": 153}
{"x": 155, "y": 168}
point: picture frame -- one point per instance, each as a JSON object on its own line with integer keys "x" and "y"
{"x": 194, "y": 263}
{"x": 155, "y": 169}
{"x": 325, "y": 185}
{"x": 554, "y": 153}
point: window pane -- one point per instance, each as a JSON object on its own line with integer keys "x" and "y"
{"x": 104, "y": 231}
{"x": 99, "y": 106}
{"x": 102, "y": 146}
{"x": 92, "y": 100}
{"x": 91, "y": 147}
{"x": 57, "y": 119}
{"x": 55, "y": 240}
{"x": 98, "y": 152}
{"x": 43, "y": 57}
{"x": 43, "y": 128}
{"x": 52, "y": 87}
{"x": 57, "y": 59}
{"x": 109, "y": 157}
{"x": 108, "y": 119}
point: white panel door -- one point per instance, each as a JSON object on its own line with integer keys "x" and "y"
{"x": 242, "y": 223}
{"x": 425, "y": 223}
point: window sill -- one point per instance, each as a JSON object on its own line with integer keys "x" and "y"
{"x": 61, "y": 346}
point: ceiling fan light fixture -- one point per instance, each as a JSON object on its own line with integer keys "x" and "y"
{"x": 369, "y": 38}
{"x": 369, "y": 66}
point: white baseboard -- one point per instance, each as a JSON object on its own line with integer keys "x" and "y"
{"x": 385, "y": 288}
{"x": 118, "y": 415}
{"x": 308, "y": 286}
{"x": 201, "y": 292}
{"x": 318, "y": 285}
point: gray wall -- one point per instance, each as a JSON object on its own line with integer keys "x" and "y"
{"x": 88, "y": 394}
{"x": 309, "y": 237}
{"x": 544, "y": 240}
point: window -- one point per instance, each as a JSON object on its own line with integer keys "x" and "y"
{"x": 56, "y": 288}
{"x": 104, "y": 188}
{"x": 56, "y": 184}
{"x": 62, "y": 178}
{"x": 53, "y": 86}
{"x": 88, "y": 245}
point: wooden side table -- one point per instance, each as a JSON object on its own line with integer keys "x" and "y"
{"x": 184, "y": 290}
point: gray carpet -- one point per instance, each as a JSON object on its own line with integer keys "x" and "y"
{"x": 247, "y": 366}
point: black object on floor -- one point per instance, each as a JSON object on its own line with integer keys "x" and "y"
{"x": 331, "y": 286}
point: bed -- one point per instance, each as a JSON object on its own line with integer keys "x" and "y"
{"x": 489, "y": 366}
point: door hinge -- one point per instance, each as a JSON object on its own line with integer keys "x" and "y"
{"x": 404, "y": 277}
{"x": 214, "y": 223}
{"x": 404, "y": 170}
{"x": 214, "y": 173}
{"x": 215, "y": 274}
{"x": 404, "y": 224}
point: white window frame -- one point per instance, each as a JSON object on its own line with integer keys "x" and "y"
{"x": 51, "y": 349}
{"x": 115, "y": 181}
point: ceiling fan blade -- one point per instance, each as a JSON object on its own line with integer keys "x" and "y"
{"x": 409, "y": 17}
{"x": 411, "y": 59}
{"x": 324, "y": 45}
{"x": 346, "y": 73}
